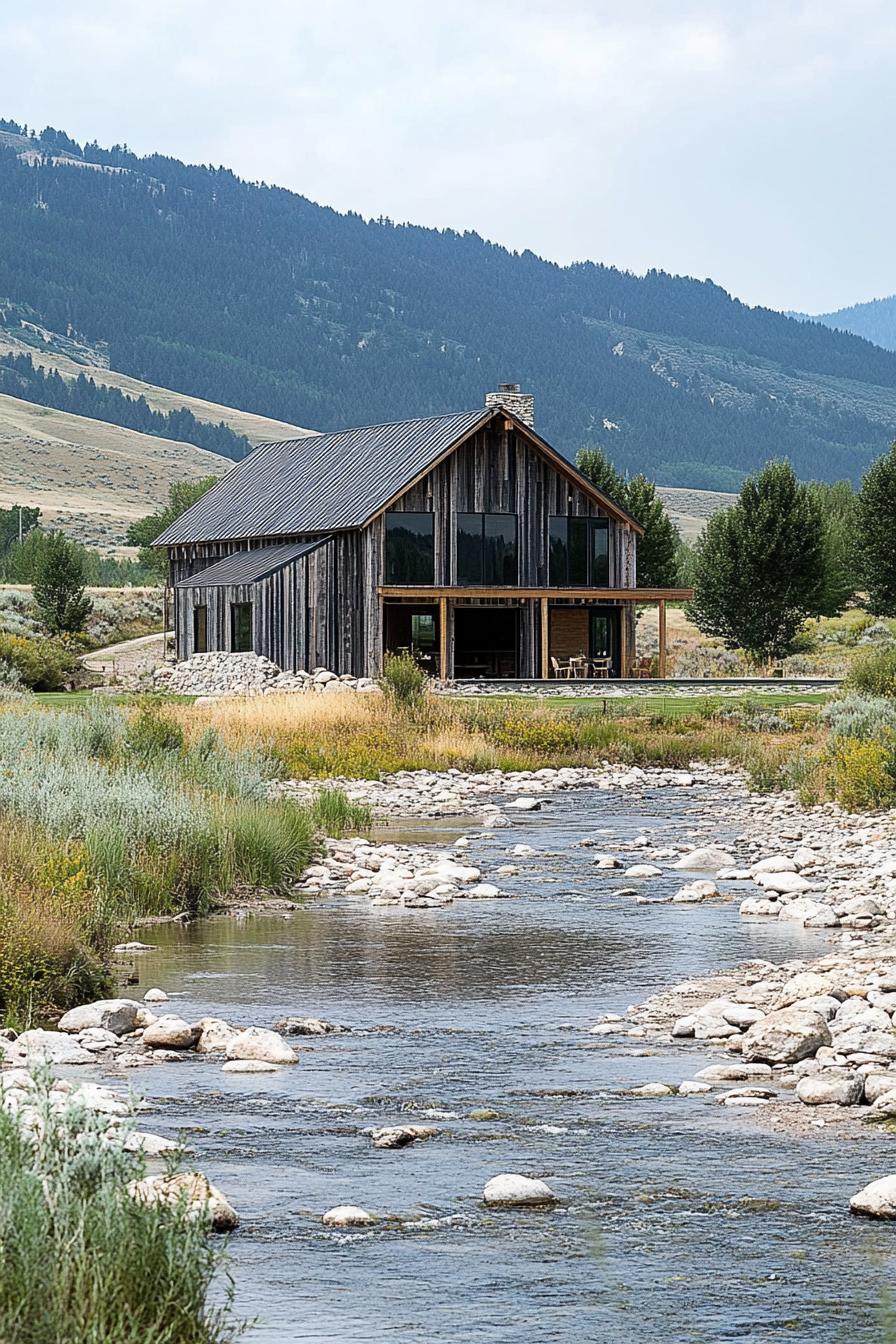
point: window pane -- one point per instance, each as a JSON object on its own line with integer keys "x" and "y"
{"x": 469, "y": 548}
{"x": 499, "y": 549}
{"x": 423, "y": 630}
{"x": 600, "y": 553}
{"x": 241, "y": 627}
{"x": 200, "y": 629}
{"x": 557, "y": 553}
{"x": 578, "y": 552}
{"x": 409, "y": 548}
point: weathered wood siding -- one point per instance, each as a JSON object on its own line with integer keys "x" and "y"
{"x": 323, "y": 610}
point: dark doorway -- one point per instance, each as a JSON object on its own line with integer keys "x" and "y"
{"x": 603, "y": 635}
{"x": 413, "y": 629}
{"x": 486, "y": 641}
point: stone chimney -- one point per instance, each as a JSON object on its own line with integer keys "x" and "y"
{"x": 522, "y": 404}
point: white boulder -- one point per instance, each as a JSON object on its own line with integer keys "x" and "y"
{"x": 510, "y": 1188}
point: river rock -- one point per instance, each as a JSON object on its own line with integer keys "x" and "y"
{"x": 709, "y": 859}
{"x": 760, "y": 905}
{"x": 652, "y": 1090}
{"x": 347, "y": 1215}
{"x": 216, "y": 1035}
{"x": 171, "y": 1033}
{"x": 877, "y": 1200}
{"x": 878, "y": 1085}
{"x": 150, "y": 1145}
{"x": 791, "y": 884}
{"x": 155, "y": 996}
{"x": 804, "y": 985}
{"x": 524, "y": 805}
{"x": 691, "y": 1088}
{"x": 775, "y": 863}
{"x": 257, "y": 1043}
{"x": 847, "y": 1090}
{"x": 51, "y": 1047}
{"x": 867, "y": 1041}
{"x": 117, "y": 1015}
{"x": 400, "y": 1136}
{"x": 308, "y": 1026}
{"x": 203, "y": 1199}
{"x": 643, "y": 870}
{"x": 510, "y": 1188}
{"x": 733, "y": 1073}
{"x": 784, "y": 1036}
{"x": 700, "y": 890}
{"x": 249, "y": 1066}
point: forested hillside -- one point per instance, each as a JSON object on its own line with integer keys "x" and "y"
{"x": 876, "y": 321}
{"x": 255, "y": 297}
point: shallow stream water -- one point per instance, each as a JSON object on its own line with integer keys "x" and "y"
{"x": 678, "y": 1219}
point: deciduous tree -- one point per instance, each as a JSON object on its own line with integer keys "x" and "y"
{"x": 759, "y": 570}
{"x": 875, "y": 541}
{"x": 59, "y": 586}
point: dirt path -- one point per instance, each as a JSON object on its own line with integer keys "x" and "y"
{"x": 130, "y": 659}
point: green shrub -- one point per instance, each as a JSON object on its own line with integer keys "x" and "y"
{"x": 862, "y": 717}
{"x": 403, "y": 681}
{"x": 41, "y": 664}
{"x": 80, "y": 1259}
{"x": 336, "y": 815}
{"x": 875, "y": 673}
{"x": 152, "y": 733}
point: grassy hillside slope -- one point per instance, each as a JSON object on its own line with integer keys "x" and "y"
{"x": 90, "y": 478}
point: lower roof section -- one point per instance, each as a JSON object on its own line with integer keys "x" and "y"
{"x": 579, "y": 594}
{"x": 243, "y": 567}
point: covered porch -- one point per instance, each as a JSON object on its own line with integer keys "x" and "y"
{"x": 462, "y": 633}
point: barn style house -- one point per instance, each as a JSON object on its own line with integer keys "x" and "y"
{"x": 465, "y": 538}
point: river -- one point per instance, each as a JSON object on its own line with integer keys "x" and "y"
{"x": 678, "y": 1219}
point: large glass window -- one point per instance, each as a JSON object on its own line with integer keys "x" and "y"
{"x": 409, "y": 548}
{"x": 487, "y": 549}
{"x": 241, "y": 627}
{"x": 579, "y": 552}
{"x": 200, "y": 629}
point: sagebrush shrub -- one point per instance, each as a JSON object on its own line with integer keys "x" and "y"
{"x": 861, "y": 717}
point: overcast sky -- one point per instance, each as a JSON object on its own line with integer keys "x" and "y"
{"x": 746, "y": 140}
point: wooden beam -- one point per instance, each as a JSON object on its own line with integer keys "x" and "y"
{"x": 434, "y": 591}
{"x": 443, "y": 639}
{"x": 662, "y": 623}
{"x": 545, "y": 639}
{"x": 623, "y": 647}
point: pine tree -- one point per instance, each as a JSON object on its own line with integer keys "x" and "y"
{"x": 658, "y": 548}
{"x": 759, "y": 568}
{"x": 59, "y": 587}
{"x": 597, "y": 467}
{"x": 874, "y": 534}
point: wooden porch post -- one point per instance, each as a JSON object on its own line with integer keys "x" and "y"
{"x": 443, "y": 639}
{"x": 545, "y": 640}
{"x": 623, "y": 643}
{"x": 662, "y": 623}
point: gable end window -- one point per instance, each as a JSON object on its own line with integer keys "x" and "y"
{"x": 579, "y": 552}
{"x": 410, "y": 549}
{"x": 241, "y": 640}
{"x": 487, "y": 549}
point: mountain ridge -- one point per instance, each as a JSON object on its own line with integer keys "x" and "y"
{"x": 255, "y": 297}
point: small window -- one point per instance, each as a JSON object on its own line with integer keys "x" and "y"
{"x": 409, "y": 548}
{"x": 487, "y": 549}
{"x": 579, "y": 552}
{"x": 200, "y": 629}
{"x": 241, "y": 627}
{"x": 423, "y": 630}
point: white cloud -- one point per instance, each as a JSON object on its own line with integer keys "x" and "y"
{"x": 749, "y": 142}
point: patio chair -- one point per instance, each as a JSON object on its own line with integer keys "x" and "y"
{"x": 561, "y": 669}
{"x": 600, "y": 668}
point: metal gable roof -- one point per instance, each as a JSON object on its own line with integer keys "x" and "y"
{"x": 319, "y": 483}
{"x": 250, "y": 566}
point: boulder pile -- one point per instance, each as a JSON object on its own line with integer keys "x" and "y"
{"x": 249, "y": 674}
